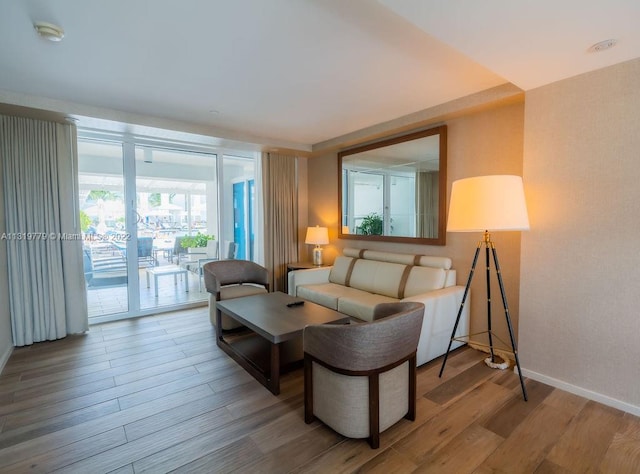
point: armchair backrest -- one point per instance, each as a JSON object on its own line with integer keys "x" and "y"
{"x": 230, "y": 272}
{"x": 368, "y": 346}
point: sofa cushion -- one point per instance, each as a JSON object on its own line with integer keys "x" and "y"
{"x": 340, "y": 270}
{"x": 361, "y": 304}
{"x": 325, "y": 294}
{"x": 423, "y": 279}
{"x": 377, "y": 277}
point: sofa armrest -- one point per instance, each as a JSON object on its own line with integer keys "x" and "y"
{"x": 312, "y": 276}
{"x": 441, "y": 310}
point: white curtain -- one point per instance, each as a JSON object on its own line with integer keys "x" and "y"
{"x": 427, "y": 193}
{"x": 280, "y": 186}
{"x": 44, "y": 247}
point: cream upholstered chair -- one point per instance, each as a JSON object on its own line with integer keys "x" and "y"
{"x": 360, "y": 379}
{"x": 227, "y": 279}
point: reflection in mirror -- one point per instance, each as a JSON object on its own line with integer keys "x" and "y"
{"x": 394, "y": 190}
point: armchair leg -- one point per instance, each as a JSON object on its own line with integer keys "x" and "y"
{"x": 308, "y": 390}
{"x": 411, "y": 413}
{"x": 374, "y": 411}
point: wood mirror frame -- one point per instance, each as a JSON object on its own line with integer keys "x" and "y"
{"x": 422, "y": 153}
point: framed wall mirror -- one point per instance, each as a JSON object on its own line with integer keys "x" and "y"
{"x": 394, "y": 190}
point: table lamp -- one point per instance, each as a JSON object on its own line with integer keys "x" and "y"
{"x": 486, "y": 204}
{"x": 317, "y": 236}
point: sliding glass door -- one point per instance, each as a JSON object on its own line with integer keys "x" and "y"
{"x": 153, "y": 215}
{"x": 176, "y": 197}
{"x": 103, "y": 224}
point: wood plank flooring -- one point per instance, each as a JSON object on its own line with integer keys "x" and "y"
{"x": 156, "y": 395}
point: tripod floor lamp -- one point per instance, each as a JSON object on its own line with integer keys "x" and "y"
{"x": 485, "y": 204}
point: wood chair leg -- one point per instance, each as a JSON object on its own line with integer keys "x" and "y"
{"x": 413, "y": 374}
{"x": 308, "y": 390}
{"x": 374, "y": 411}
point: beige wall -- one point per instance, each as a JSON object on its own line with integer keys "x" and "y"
{"x": 482, "y": 143}
{"x": 580, "y": 302}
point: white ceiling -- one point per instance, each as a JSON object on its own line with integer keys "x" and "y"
{"x": 295, "y": 72}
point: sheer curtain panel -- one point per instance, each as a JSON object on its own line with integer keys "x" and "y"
{"x": 280, "y": 186}
{"x": 44, "y": 245}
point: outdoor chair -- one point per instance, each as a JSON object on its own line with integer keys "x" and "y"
{"x": 227, "y": 279}
{"x": 145, "y": 252}
{"x": 360, "y": 379}
{"x": 178, "y": 249}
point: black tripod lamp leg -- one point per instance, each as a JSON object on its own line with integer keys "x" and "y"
{"x": 464, "y": 298}
{"x": 508, "y": 318}
{"x": 487, "y": 243}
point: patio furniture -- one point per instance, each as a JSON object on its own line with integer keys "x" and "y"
{"x": 145, "y": 251}
{"x": 360, "y": 378}
{"x": 174, "y": 270}
{"x": 104, "y": 265}
{"x": 232, "y": 250}
{"x": 178, "y": 249}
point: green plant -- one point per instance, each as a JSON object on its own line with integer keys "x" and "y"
{"x": 85, "y": 221}
{"x": 371, "y": 224}
{"x": 198, "y": 240}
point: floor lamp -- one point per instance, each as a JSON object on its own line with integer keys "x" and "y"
{"x": 484, "y": 204}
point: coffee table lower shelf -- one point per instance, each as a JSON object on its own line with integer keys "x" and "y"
{"x": 275, "y": 344}
{"x": 263, "y": 360}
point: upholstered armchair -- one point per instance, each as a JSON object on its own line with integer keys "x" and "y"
{"x": 360, "y": 379}
{"x": 227, "y": 279}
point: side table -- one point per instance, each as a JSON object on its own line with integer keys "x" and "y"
{"x": 302, "y": 266}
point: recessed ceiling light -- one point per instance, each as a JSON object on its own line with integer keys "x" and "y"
{"x": 603, "y": 45}
{"x": 49, "y": 31}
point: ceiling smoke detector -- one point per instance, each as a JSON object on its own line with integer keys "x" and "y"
{"x": 602, "y": 46}
{"x": 49, "y": 31}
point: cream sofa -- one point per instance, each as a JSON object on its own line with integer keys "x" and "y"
{"x": 360, "y": 279}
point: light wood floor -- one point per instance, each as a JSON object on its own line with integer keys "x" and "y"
{"x": 155, "y": 394}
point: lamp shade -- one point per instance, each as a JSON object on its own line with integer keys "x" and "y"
{"x": 317, "y": 236}
{"x": 487, "y": 203}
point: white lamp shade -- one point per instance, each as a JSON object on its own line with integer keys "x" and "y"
{"x": 487, "y": 203}
{"x": 317, "y": 236}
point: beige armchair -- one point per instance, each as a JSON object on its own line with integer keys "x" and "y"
{"x": 227, "y": 279}
{"x": 360, "y": 379}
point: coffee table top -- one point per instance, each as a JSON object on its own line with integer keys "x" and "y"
{"x": 268, "y": 315}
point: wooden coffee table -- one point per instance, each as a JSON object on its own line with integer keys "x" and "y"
{"x": 272, "y": 324}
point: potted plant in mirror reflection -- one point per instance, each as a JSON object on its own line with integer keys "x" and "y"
{"x": 371, "y": 224}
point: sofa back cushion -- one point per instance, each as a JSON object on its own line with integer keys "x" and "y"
{"x": 396, "y": 280}
{"x": 340, "y": 270}
{"x": 381, "y": 278}
{"x": 423, "y": 279}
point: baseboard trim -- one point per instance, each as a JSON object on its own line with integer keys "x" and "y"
{"x": 5, "y": 358}
{"x": 583, "y": 392}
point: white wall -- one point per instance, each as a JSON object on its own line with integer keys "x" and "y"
{"x": 580, "y": 264}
